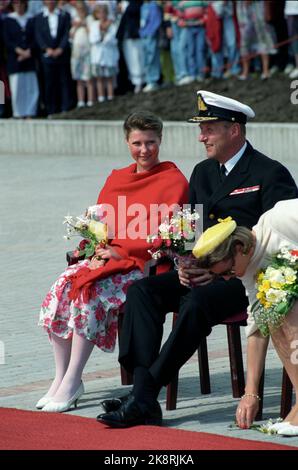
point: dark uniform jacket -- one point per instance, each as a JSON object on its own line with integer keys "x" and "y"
{"x": 254, "y": 186}
{"x": 45, "y": 40}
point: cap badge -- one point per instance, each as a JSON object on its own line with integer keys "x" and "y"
{"x": 201, "y": 104}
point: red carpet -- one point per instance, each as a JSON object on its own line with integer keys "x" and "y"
{"x": 27, "y": 430}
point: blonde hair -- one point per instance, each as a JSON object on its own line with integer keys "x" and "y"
{"x": 227, "y": 249}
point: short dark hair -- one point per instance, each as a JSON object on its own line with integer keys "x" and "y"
{"x": 143, "y": 121}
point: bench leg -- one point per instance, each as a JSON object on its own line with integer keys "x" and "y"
{"x": 286, "y": 395}
{"x": 172, "y": 391}
{"x": 204, "y": 367}
{"x": 236, "y": 360}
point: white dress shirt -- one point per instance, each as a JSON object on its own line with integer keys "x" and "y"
{"x": 229, "y": 165}
{"x": 53, "y": 18}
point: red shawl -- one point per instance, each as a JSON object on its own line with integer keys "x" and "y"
{"x": 163, "y": 184}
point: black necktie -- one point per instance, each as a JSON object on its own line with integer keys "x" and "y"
{"x": 223, "y": 173}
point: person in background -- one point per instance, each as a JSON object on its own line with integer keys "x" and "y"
{"x": 173, "y": 32}
{"x": 192, "y": 16}
{"x": 151, "y": 18}
{"x": 18, "y": 30}
{"x": 5, "y": 8}
{"x": 234, "y": 180}
{"x": 222, "y": 37}
{"x": 80, "y": 56}
{"x": 81, "y": 310}
{"x": 129, "y": 40}
{"x": 52, "y": 28}
{"x": 291, "y": 14}
{"x": 104, "y": 52}
{"x": 255, "y": 36}
{"x": 229, "y": 250}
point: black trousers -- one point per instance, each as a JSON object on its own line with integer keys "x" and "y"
{"x": 57, "y": 82}
{"x": 147, "y": 303}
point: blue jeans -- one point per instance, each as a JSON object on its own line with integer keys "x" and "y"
{"x": 178, "y": 54}
{"x": 194, "y": 42}
{"x": 229, "y": 48}
{"x": 151, "y": 60}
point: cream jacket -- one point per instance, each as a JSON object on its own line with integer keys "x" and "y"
{"x": 275, "y": 229}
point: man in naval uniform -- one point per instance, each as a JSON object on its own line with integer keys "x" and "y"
{"x": 235, "y": 180}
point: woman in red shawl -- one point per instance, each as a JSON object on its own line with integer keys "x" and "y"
{"x": 81, "y": 309}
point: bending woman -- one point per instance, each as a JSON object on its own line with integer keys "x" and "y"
{"x": 81, "y": 309}
{"x": 228, "y": 250}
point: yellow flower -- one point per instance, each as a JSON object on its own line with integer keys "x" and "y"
{"x": 276, "y": 285}
{"x": 264, "y": 286}
{"x": 260, "y": 295}
{"x": 99, "y": 230}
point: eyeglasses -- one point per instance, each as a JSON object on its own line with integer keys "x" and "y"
{"x": 229, "y": 272}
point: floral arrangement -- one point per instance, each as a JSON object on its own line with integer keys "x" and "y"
{"x": 277, "y": 287}
{"x": 265, "y": 428}
{"x": 175, "y": 236}
{"x": 93, "y": 232}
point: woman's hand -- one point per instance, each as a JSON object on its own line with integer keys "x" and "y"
{"x": 247, "y": 410}
{"x": 107, "y": 252}
{"x": 193, "y": 277}
{"x": 96, "y": 263}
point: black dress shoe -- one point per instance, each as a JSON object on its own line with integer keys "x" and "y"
{"x": 131, "y": 413}
{"x": 113, "y": 404}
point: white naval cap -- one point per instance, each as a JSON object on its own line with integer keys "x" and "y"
{"x": 213, "y": 107}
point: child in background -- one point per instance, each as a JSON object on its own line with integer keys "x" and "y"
{"x": 104, "y": 52}
{"x": 80, "y": 55}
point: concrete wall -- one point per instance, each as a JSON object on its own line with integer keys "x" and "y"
{"x": 104, "y": 139}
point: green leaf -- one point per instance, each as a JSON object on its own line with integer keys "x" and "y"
{"x": 89, "y": 250}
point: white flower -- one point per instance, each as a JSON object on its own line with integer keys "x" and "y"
{"x": 275, "y": 296}
{"x": 289, "y": 274}
{"x": 274, "y": 275}
{"x": 164, "y": 228}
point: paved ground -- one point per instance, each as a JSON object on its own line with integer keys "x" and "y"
{"x": 36, "y": 193}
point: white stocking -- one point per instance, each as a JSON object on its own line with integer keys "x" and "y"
{"x": 284, "y": 338}
{"x": 62, "y": 349}
{"x": 80, "y": 353}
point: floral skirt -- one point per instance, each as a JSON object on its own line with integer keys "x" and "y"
{"x": 96, "y": 320}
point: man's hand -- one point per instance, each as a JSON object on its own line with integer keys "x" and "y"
{"x": 57, "y": 52}
{"x": 49, "y": 52}
{"x": 194, "y": 277}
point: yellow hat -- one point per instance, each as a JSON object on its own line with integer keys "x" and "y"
{"x": 214, "y": 236}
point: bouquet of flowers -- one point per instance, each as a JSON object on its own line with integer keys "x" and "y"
{"x": 176, "y": 236}
{"x": 277, "y": 287}
{"x": 93, "y": 231}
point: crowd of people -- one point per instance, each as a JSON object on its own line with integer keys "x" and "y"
{"x": 57, "y": 54}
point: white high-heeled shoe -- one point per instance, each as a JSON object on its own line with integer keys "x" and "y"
{"x": 289, "y": 430}
{"x": 60, "y": 407}
{"x": 43, "y": 402}
{"x": 277, "y": 426}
